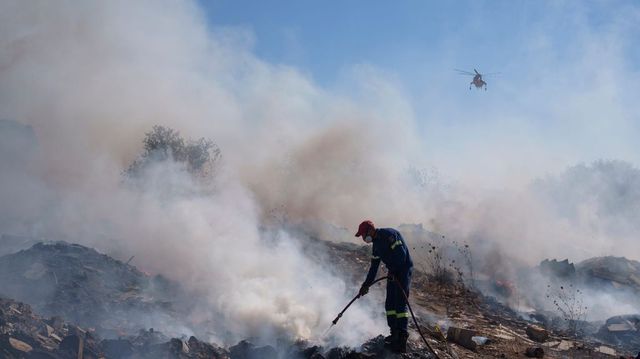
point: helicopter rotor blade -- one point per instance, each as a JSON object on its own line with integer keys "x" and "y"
{"x": 477, "y": 73}
{"x": 462, "y": 72}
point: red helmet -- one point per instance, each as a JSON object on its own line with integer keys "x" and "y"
{"x": 364, "y": 228}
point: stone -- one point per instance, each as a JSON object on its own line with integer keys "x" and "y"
{"x": 179, "y": 346}
{"x": 560, "y": 269}
{"x": 200, "y": 349}
{"x": 462, "y": 337}
{"x": 56, "y": 337}
{"x": 606, "y": 350}
{"x": 537, "y": 333}
{"x": 620, "y": 327}
{"x": 246, "y": 350}
{"x": 46, "y": 330}
{"x": 20, "y": 345}
{"x": 565, "y": 345}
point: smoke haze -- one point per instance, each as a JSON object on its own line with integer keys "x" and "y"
{"x": 91, "y": 78}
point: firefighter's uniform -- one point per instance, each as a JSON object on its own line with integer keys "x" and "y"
{"x": 390, "y": 248}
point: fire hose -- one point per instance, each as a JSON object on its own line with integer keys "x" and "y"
{"x": 335, "y": 321}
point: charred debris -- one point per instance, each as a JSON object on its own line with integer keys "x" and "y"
{"x": 62, "y": 300}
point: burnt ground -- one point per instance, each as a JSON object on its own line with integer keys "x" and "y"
{"x": 88, "y": 288}
{"x": 73, "y": 281}
{"x": 441, "y": 306}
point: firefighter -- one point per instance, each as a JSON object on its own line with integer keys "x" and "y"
{"x": 390, "y": 248}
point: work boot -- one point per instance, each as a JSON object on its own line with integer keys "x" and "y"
{"x": 399, "y": 345}
{"x": 388, "y": 340}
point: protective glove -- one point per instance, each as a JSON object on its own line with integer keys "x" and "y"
{"x": 363, "y": 290}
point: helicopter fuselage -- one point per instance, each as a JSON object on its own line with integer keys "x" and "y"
{"x": 478, "y": 82}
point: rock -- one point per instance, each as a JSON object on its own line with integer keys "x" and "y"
{"x": 560, "y": 269}
{"x": 565, "y": 345}
{"x": 621, "y": 331}
{"x": 462, "y": 337}
{"x": 606, "y": 350}
{"x": 46, "y": 330}
{"x": 179, "y": 346}
{"x": 20, "y": 345}
{"x": 537, "y": 333}
{"x": 622, "y": 323}
{"x": 205, "y": 350}
{"x": 56, "y": 337}
{"x": 621, "y": 327}
{"x": 246, "y": 350}
{"x": 611, "y": 272}
{"x": 534, "y": 352}
{"x": 84, "y": 287}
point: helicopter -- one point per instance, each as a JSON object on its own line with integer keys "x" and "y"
{"x": 477, "y": 78}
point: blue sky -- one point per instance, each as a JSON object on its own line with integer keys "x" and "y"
{"x": 324, "y": 37}
{"x": 569, "y": 69}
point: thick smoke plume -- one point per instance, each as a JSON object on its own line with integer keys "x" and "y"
{"x": 81, "y": 83}
{"x": 98, "y": 76}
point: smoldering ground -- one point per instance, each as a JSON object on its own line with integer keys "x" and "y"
{"x": 91, "y": 78}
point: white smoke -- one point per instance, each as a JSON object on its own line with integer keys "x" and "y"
{"x": 92, "y": 77}
{"x": 98, "y": 75}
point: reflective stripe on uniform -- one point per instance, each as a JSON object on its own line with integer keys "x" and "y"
{"x": 391, "y": 313}
{"x": 402, "y": 315}
{"x": 396, "y": 243}
{"x": 374, "y": 257}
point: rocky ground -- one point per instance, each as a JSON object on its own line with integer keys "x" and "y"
{"x": 80, "y": 304}
{"x": 87, "y": 288}
{"x": 508, "y": 334}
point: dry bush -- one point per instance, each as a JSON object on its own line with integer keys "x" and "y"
{"x": 568, "y": 302}
{"x": 446, "y": 263}
{"x": 163, "y": 144}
